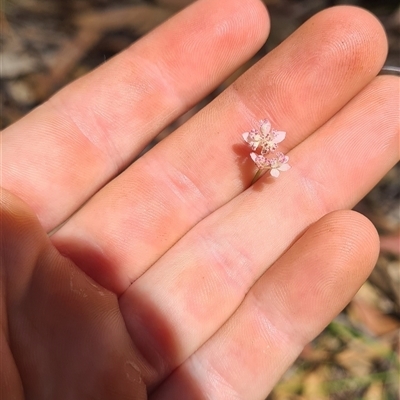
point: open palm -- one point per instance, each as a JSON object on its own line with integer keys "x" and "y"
{"x": 169, "y": 277}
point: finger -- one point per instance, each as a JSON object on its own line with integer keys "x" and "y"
{"x": 201, "y": 280}
{"x": 60, "y": 154}
{"x": 203, "y": 165}
{"x": 65, "y": 334}
{"x": 289, "y": 306}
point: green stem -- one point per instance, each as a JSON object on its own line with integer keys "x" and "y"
{"x": 256, "y": 176}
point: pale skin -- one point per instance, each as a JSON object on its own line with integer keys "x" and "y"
{"x": 175, "y": 279}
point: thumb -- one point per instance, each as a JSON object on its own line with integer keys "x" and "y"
{"x": 64, "y": 334}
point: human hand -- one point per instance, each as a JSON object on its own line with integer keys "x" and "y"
{"x": 200, "y": 286}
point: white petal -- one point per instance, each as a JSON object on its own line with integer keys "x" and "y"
{"x": 284, "y": 167}
{"x": 253, "y": 156}
{"x": 245, "y": 136}
{"x": 274, "y": 172}
{"x": 265, "y": 127}
{"x": 279, "y": 136}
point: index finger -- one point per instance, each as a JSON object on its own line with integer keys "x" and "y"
{"x": 63, "y": 152}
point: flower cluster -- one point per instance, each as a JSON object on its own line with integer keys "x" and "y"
{"x": 265, "y": 141}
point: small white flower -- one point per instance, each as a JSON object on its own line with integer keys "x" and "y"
{"x": 253, "y": 138}
{"x": 260, "y": 160}
{"x": 270, "y": 137}
{"x": 277, "y": 164}
{"x": 266, "y": 139}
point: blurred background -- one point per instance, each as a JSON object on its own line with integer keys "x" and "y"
{"x": 48, "y": 43}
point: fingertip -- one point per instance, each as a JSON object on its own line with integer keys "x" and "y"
{"x": 23, "y": 241}
{"x": 15, "y": 214}
{"x": 355, "y": 238}
{"x": 239, "y": 26}
{"x": 261, "y": 18}
{"x": 354, "y": 32}
{"x": 323, "y": 271}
